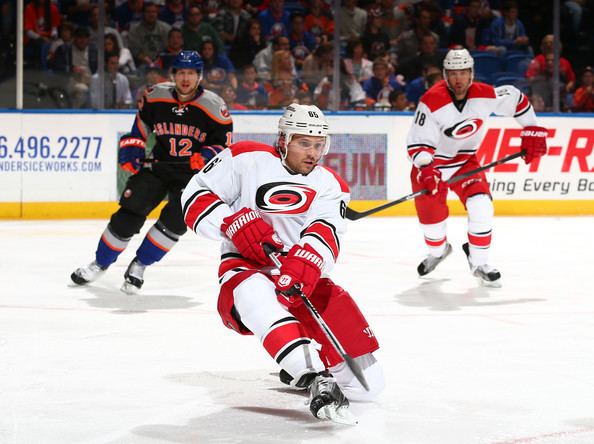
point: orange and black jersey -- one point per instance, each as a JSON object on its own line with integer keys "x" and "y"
{"x": 182, "y": 129}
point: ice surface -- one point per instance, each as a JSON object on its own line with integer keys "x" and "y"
{"x": 464, "y": 364}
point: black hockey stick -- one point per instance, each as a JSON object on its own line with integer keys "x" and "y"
{"x": 273, "y": 255}
{"x": 356, "y": 215}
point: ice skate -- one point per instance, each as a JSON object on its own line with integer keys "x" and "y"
{"x": 302, "y": 384}
{"x": 134, "y": 277}
{"x": 88, "y": 273}
{"x": 327, "y": 400}
{"x": 488, "y": 276}
{"x": 430, "y": 262}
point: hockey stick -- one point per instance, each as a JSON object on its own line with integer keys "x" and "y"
{"x": 273, "y": 255}
{"x": 356, "y": 215}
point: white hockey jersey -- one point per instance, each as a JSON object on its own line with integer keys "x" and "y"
{"x": 301, "y": 209}
{"x": 448, "y": 136}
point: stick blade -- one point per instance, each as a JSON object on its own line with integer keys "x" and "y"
{"x": 356, "y": 369}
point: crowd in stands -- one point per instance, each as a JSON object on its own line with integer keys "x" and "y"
{"x": 266, "y": 54}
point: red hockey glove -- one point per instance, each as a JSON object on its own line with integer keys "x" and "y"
{"x": 301, "y": 270}
{"x": 249, "y": 231}
{"x": 534, "y": 142}
{"x": 131, "y": 153}
{"x": 430, "y": 177}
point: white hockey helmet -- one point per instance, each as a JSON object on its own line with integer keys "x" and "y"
{"x": 458, "y": 59}
{"x": 308, "y": 120}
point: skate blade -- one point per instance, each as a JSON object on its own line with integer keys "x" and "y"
{"x": 341, "y": 415}
{"x": 490, "y": 284}
{"x": 129, "y": 288}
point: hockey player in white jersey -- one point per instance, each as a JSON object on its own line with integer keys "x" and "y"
{"x": 447, "y": 130}
{"x": 254, "y": 194}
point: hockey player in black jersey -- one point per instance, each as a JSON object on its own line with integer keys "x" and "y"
{"x": 191, "y": 126}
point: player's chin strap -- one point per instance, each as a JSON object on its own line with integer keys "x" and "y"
{"x": 350, "y": 362}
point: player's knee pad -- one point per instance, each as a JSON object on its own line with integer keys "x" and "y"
{"x": 156, "y": 244}
{"x": 343, "y": 317}
{"x": 350, "y": 385}
{"x": 480, "y": 210}
{"x": 125, "y": 223}
{"x": 171, "y": 218}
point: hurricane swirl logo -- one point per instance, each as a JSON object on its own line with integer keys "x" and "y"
{"x": 464, "y": 129}
{"x": 284, "y": 198}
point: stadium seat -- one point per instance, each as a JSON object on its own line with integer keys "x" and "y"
{"x": 506, "y": 79}
{"x": 517, "y": 63}
{"x": 486, "y": 63}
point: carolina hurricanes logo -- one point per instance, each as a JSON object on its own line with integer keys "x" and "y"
{"x": 284, "y": 198}
{"x": 464, "y": 129}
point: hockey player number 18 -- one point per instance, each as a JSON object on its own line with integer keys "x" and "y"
{"x": 420, "y": 118}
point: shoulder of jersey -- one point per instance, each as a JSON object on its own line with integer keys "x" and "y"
{"x": 214, "y": 106}
{"x": 161, "y": 92}
{"x": 344, "y": 187}
{"x": 246, "y": 147}
{"x": 437, "y": 96}
{"x": 480, "y": 90}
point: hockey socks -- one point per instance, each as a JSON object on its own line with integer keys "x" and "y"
{"x": 109, "y": 248}
{"x": 156, "y": 244}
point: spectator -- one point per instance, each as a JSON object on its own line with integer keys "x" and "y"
{"x": 410, "y": 41}
{"x": 356, "y": 62}
{"x": 375, "y": 40}
{"x": 175, "y": 44}
{"x": 274, "y": 19}
{"x": 399, "y": 102}
{"x": 126, "y": 61}
{"x": 351, "y": 93}
{"x": 318, "y": 22}
{"x": 283, "y": 91}
{"x": 152, "y": 76}
{"x": 127, "y": 13}
{"x": 508, "y": 32}
{"x": 116, "y": 86}
{"x": 417, "y": 87}
{"x": 78, "y": 60}
{"x": 250, "y": 92}
{"x": 583, "y": 99}
{"x": 428, "y": 54}
{"x": 538, "y": 65}
{"x": 541, "y": 80}
{"x": 378, "y": 87}
{"x": 173, "y": 13}
{"x": 263, "y": 60}
{"x": 65, "y": 32}
{"x": 41, "y": 21}
{"x": 470, "y": 30}
{"x": 394, "y": 22}
{"x": 353, "y": 20}
{"x": 218, "y": 69}
{"x": 317, "y": 65}
{"x": 229, "y": 96}
{"x": 249, "y": 43}
{"x": 301, "y": 42}
{"x": 303, "y": 98}
{"x": 94, "y": 28}
{"x": 234, "y": 22}
{"x": 196, "y": 31}
{"x": 148, "y": 38}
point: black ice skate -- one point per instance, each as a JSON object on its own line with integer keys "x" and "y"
{"x": 303, "y": 383}
{"x": 327, "y": 400}
{"x": 430, "y": 262}
{"x": 489, "y": 276}
{"x": 134, "y": 277}
{"x": 88, "y": 273}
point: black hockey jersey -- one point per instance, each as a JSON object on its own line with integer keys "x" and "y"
{"x": 182, "y": 129}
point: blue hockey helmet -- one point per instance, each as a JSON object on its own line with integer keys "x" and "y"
{"x": 188, "y": 60}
